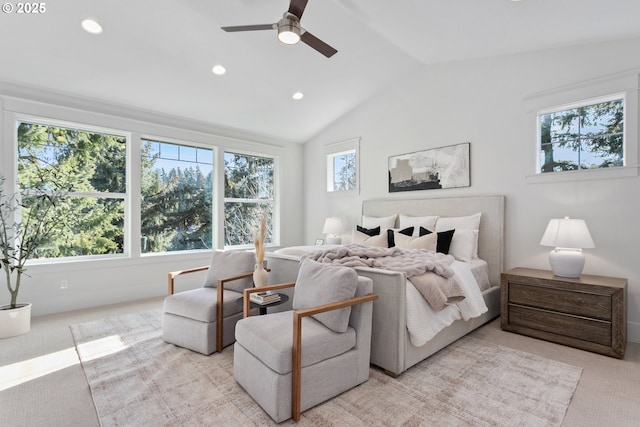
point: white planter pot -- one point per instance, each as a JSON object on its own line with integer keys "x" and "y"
{"x": 15, "y": 321}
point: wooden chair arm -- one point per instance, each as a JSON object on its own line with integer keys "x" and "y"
{"x": 246, "y": 303}
{"x": 238, "y": 277}
{"x": 334, "y": 305}
{"x": 174, "y": 274}
{"x": 296, "y": 356}
{"x": 220, "y": 304}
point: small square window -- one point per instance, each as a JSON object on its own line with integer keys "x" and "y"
{"x": 342, "y": 170}
{"x": 342, "y": 167}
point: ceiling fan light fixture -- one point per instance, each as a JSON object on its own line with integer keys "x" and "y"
{"x": 289, "y": 29}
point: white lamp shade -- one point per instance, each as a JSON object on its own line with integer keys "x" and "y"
{"x": 568, "y": 237}
{"x": 567, "y": 233}
{"x": 332, "y": 225}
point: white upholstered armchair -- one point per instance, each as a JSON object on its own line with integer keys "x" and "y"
{"x": 293, "y": 360}
{"x": 204, "y": 319}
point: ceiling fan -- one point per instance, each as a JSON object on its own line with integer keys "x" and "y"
{"x": 289, "y": 29}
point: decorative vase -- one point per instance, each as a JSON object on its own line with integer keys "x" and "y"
{"x": 260, "y": 276}
{"x": 15, "y": 321}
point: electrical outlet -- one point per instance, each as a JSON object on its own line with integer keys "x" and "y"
{"x": 64, "y": 284}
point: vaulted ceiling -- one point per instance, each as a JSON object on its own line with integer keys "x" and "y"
{"x": 158, "y": 55}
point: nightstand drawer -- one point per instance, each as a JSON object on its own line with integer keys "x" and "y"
{"x": 582, "y": 328}
{"x": 562, "y": 300}
{"x": 587, "y": 312}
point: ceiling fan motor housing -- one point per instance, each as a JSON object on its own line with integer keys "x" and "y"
{"x": 289, "y": 29}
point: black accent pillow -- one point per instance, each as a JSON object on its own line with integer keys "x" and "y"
{"x": 391, "y": 240}
{"x": 369, "y": 231}
{"x": 444, "y": 239}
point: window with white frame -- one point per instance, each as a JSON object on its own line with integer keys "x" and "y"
{"x": 177, "y": 193}
{"x": 342, "y": 166}
{"x": 249, "y": 193}
{"x": 87, "y": 167}
{"x": 587, "y": 130}
{"x": 585, "y": 135}
{"x": 172, "y": 190}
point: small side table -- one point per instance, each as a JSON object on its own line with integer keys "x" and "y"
{"x": 263, "y": 307}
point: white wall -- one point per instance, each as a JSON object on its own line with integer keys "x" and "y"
{"x": 482, "y": 101}
{"x": 100, "y": 282}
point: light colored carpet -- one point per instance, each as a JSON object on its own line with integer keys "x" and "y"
{"x": 137, "y": 380}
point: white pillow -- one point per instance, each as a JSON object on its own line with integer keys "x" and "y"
{"x": 464, "y": 245}
{"x": 428, "y": 242}
{"x": 319, "y": 284}
{"x": 471, "y": 222}
{"x": 384, "y": 222}
{"x": 458, "y": 223}
{"x": 428, "y": 222}
{"x": 379, "y": 241}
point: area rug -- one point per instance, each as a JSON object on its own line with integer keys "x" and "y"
{"x": 136, "y": 379}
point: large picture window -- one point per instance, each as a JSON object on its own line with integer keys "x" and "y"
{"x": 248, "y": 194}
{"x": 586, "y": 135}
{"x": 89, "y": 167}
{"x": 176, "y": 190}
{"x": 78, "y": 177}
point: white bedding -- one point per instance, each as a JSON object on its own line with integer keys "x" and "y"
{"x": 300, "y": 251}
{"x": 423, "y": 322}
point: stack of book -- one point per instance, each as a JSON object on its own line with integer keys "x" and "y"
{"x": 264, "y": 297}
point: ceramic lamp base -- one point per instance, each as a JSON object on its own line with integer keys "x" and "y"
{"x": 260, "y": 276}
{"x": 333, "y": 239}
{"x": 566, "y": 262}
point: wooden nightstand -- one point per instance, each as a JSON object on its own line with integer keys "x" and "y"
{"x": 589, "y": 312}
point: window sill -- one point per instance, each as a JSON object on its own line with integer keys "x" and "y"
{"x": 344, "y": 193}
{"x": 583, "y": 175}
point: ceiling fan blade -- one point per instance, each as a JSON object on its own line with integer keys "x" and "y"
{"x": 249, "y": 28}
{"x": 296, "y": 7}
{"x": 317, "y": 44}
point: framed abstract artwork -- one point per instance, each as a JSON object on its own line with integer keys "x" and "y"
{"x": 443, "y": 167}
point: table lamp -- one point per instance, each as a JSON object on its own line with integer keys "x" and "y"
{"x": 332, "y": 228}
{"x": 568, "y": 237}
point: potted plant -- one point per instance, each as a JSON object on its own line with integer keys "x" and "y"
{"x": 27, "y": 220}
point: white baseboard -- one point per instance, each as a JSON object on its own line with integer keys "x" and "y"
{"x": 633, "y": 332}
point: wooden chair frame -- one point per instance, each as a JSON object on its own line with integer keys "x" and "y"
{"x": 220, "y": 293}
{"x": 296, "y": 352}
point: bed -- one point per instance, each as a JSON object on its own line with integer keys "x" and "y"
{"x": 392, "y": 348}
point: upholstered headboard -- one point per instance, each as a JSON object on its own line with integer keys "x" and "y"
{"x": 491, "y": 234}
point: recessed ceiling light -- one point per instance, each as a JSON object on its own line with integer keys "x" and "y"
{"x": 218, "y": 70}
{"x": 91, "y": 26}
{"x": 298, "y": 95}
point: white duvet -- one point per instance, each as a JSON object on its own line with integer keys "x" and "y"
{"x": 423, "y": 322}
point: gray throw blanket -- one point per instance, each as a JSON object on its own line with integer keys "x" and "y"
{"x": 428, "y": 271}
